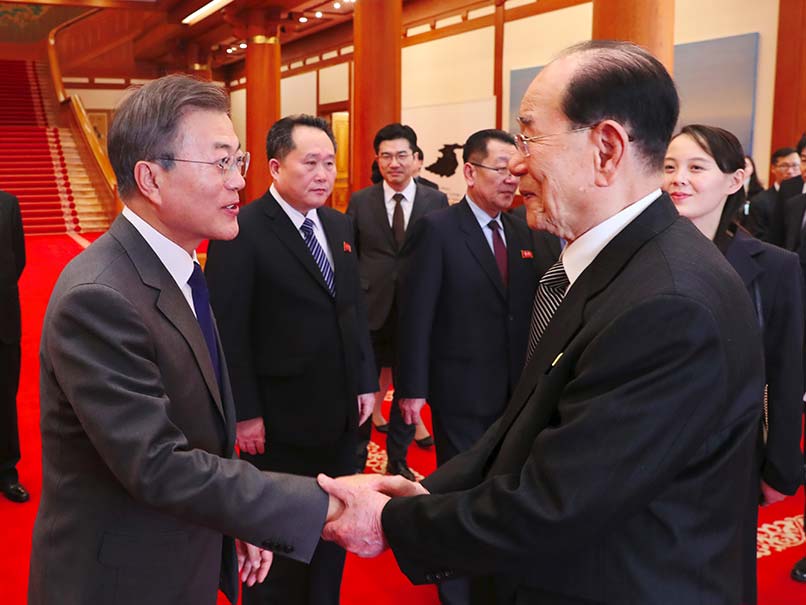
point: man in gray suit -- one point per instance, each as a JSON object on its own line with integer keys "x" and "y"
{"x": 140, "y": 491}
{"x": 382, "y": 216}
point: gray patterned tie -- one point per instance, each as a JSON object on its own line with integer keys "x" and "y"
{"x": 549, "y": 295}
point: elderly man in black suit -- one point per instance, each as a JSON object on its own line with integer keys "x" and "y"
{"x": 467, "y": 286}
{"x": 613, "y": 475}
{"x": 383, "y": 215}
{"x": 294, "y": 329}
{"x": 12, "y": 262}
{"x": 141, "y": 494}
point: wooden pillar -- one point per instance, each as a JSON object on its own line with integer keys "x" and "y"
{"x": 198, "y": 62}
{"x": 262, "y": 98}
{"x": 375, "y": 99}
{"x": 498, "y": 63}
{"x": 649, "y": 23}
{"x": 789, "y": 104}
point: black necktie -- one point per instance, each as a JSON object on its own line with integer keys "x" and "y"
{"x": 398, "y": 224}
{"x": 549, "y": 295}
{"x": 201, "y": 302}
{"x": 500, "y": 250}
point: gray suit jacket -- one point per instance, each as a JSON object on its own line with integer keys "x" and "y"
{"x": 377, "y": 251}
{"x": 139, "y": 488}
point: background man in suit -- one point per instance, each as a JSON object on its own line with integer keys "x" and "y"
{"x": 382, "y": 216}
{"x": 620, "y": 454}
{"x": 294, "y": 329}
{"x": 12, "y": 262}
{"x": 786, "y": 218}
{"x": 139, "y": 486}
{"x": 467, "y": 287}
{"x": 418, "y": 167}
{"x": 785, "y": 165}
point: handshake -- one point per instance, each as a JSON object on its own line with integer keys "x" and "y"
{"x": 354, "y": 512}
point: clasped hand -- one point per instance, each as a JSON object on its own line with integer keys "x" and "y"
{"x": 357, "y": 501}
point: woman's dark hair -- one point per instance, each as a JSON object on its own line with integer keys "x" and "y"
{"x": 728, "y": 155}
{"x": 754, "y": 186}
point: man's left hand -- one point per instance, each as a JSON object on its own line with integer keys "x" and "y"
{"x": 358, "y": 529}
{"x": 770, "y": 495}
{"x": 410, "y": 409}
{"x": 366, "y": 402}
{"x": 253, "y": 562}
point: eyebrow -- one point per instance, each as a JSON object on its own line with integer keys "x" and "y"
{"x": 226, "y": 146}
{"x": 525, "y": 120}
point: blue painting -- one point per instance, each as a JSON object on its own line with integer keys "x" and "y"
{"x": 716, "y": 80}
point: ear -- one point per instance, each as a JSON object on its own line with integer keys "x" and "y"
{"x": 610, "y": 139}
{"x": 148, "y": 176}
{"x": 470, "y": 174}
{"x": 274, "y": 169}
{"x": 736, "y": 181}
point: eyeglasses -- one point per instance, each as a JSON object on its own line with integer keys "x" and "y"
{"x": 227, "y": 165}
{"x": 788, "y": 166}
{"x": 501, "y": 170}
{"x": 401, "y": 156}
{"x": 522, "y": 141}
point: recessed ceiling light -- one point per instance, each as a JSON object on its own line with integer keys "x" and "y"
{"x": 229, "y": 51}
{"x": 337, "y": 5}
{"x": 318, "y": 14}
{"x": 303, "y": 19}
{"x": 242, "y": 45}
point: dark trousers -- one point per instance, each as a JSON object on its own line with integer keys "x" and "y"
{"x": 9, "y": 434}
{"x": 291, "y": 582}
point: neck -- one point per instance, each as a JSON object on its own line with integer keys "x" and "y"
{"x": 709, "y": 223}
{"x": 399, "y": 188}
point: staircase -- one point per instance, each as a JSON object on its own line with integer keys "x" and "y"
{"x": 39, "y": 162}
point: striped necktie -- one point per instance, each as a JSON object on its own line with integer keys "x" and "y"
{"x": 318, "y": 255}
{"x": 549, "y": 295}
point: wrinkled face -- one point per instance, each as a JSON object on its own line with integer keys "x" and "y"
{"x": 490, "y": 183}
{"x": 528, "y": 189}
{"x": 786, "y": 167}
{"x": 396, "y": 163}
{"x": 305, "y": 176}
{"x": 695, "y": 183}
{"x": 559, "y": 163}
{"x": 197, "y": 200}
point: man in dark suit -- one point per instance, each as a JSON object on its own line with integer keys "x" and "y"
{"x": 785, "y": 165}
{"x": 467, "y": 285}
{"x": 787, "y": 219}
{"x": 418, "y": 167}
{"x": 294, "y": 329}
{"x": 383, "y": 216}
{"x": 140, "y": 490}
{"x": 613, "y": 475}
{"x": 12, "y": 262}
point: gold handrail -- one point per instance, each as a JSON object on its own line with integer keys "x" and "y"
{"x": 78, "y": 111}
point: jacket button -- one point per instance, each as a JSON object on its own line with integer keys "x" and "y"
{"x": 429, "y": 577}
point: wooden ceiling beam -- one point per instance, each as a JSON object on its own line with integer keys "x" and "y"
{"x": 144, "y": 5}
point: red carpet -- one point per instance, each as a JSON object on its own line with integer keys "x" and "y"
{"x": 781, "y": 532}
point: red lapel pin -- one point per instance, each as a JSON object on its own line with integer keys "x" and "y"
{"x": 347, "y": 247}
{"x": 527, "y": 254}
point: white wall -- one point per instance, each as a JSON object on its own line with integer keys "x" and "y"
{"x": 298, "y": 94}
{"x": 334, "y": 83}
{"x": 98, "y": 98}
{"x": 237, "y": 99}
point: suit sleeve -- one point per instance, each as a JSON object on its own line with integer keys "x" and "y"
{"x": 102, "y": 356}
{"x": 18, "y": 238}
{"x": 352, "y": 212}
{"x": 421, "y": 279}
{"x": 632, "y": 417}
{"x": 783, "y": 337}
{"x": 230, "y": 272}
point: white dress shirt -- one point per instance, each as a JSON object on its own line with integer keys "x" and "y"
{"x": 173, "y": 257}
{"x": 298, "y": 218}
{"x": 407, "y": 203}
{"x": 583, "y": 250}
{"x": 484, "y": 221}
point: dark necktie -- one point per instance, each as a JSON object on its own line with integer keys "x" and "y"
{"x": 500, "y": 250}
{"x": 318, "y": 254}
{"x": 201, "y": 302}
{"x": 549, "y": 295}
{"x": 398, "y": 224}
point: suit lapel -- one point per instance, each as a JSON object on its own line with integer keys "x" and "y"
{"x": 741, "y": 255}
{"x": 419, "y": 205}
{"x": 170, "y": 301}
{"x": 568, "y": 319}
{"x": 336, "y": 243}
{"x": 292, "y": 239}
{"x": 475, "y": 240}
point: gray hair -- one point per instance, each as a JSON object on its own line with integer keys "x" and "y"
{"x": 146, "y": 122}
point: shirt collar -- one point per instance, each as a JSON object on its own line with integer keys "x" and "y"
{"x": 777, "y": 186}
{"x": 175, "y": 259}
{"x": 408, "y": 192}
{"x": 295, "y": 215}
{"x": 482, "y": 217}
{"x": 581, "y": 252}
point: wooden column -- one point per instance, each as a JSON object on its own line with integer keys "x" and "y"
{"x": 498, "y": 63}
{"x": 262, "y": 98}
{"x": 198, "y": 62}
{"x": 375, "y": 99}
{"x": 649, "y": 23}
{"x": 789, "y": 104}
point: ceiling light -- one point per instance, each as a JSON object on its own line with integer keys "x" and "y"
{"x": 318, "y": 14}
{"x": 229, "y": 51}
{"x": 303, "y": 19}
{"x": 337, "y": 5}
{"x": 242, "y": 45}
{"x": 205, "y": 11}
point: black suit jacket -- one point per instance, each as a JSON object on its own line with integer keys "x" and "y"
{"x": 774, "y": 281}
{"x": 421, "y": 180}
{"x": 793, "y": 211}
{"x": 547, "y": 246}
{"x": 297, "y": 357}
{"x": 12, "y": 262}
{"x": 139, "y": 488}
{"x": 762, "y": 207}
{"x": 376, "y": 247}
{"x": 463, "y": 334}
{"x": 782, "y": 222}
{"x": 613, "y": 475}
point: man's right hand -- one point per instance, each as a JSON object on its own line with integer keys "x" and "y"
{"x": 410, "y": 409}
{"x": 250, "y": 436}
